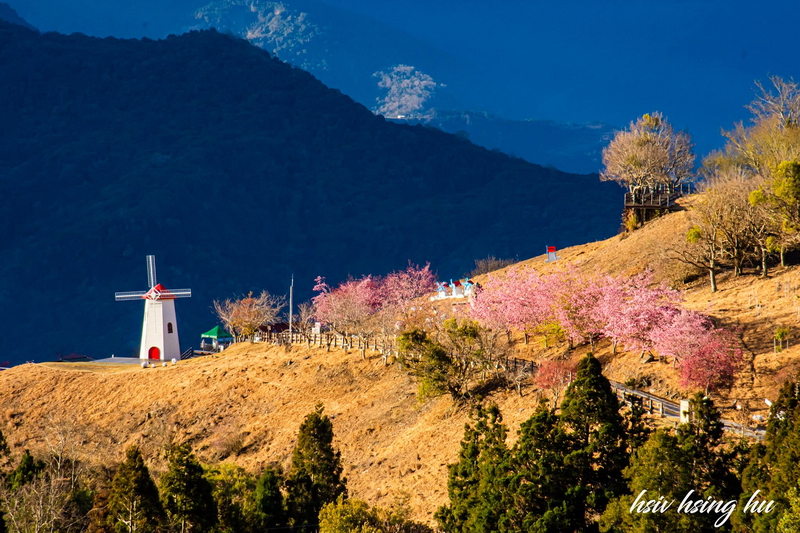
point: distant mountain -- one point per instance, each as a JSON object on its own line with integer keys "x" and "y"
{"x": 345, "y": 50}
{"x": 237, "y": 171}
{"x": 569, "y": 147}
{"x": 342, "y": 48}
{"x": 9, "y": 15}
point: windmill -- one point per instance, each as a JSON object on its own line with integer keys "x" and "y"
{"x": 159, "y": 327}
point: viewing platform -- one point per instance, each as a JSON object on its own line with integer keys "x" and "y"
{"x": 658, "y": 199}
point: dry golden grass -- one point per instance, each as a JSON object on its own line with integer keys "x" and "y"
{"x": 245, "y": 405}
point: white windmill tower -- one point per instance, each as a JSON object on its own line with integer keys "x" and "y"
{"x": 159, "y": 328}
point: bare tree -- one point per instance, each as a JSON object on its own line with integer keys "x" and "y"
{"x": 650, "y": 154}
{"x": 45, "y": 503}
{"x": 244, "y": 316}
{"x": 703, "y": 247}
{"x": 783, "y": 104}
{"x": 304, "y": 320}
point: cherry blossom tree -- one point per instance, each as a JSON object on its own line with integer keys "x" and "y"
{"x": 707, "y": 356}
{"x": 681, "y": 333}
{"x": 350, "y": 308}
{"x": 400, "y": 289}
{"x": 554, "y": 376}
{"x": 631, "y": 308}
{"x": 519, "y": 299}
{"x": 713, "y": 365}
{"x": 575, "y": 299}
{"x": 366, "y": 306}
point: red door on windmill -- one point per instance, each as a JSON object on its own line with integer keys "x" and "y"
{"x": 159, "y": 326}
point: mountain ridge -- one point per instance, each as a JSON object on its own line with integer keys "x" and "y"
{"x": 8, "y": 14}
{"x": 235, "y": 170}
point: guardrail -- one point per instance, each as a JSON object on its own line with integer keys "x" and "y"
{"x": 670, "y": 409}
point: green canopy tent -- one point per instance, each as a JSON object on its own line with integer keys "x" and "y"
{"x": 217, "y": 336}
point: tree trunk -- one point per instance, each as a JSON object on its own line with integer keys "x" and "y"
{"x": 763, "y": 262}
{"x": 712, "y": 274}
{"x": 783, "y": 261}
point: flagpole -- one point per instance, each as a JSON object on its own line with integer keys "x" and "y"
{"x": 291, "y": 290}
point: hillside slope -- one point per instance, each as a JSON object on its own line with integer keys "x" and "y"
{"x": 236, "y": 171}
{"x": 245, "y": 405}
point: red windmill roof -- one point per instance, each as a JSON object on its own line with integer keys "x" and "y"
{"x": 159, "y": 292}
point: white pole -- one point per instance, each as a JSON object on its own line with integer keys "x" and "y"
{"x": 291, "y": 289}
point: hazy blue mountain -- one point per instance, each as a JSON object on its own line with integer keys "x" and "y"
{"x": 9, "y": 15}
{"x": 237, "y": 171}
{"x": 569, "y": 147}
{"x": 344, "y": 50}
{"x": 573, "y": 61}
{"x": 341, "y": 48}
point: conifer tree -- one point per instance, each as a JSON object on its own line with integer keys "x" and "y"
{"x": 790, "y": 520}
{"x": 315, "y": 477}
{"x": 187, "y": 494}
{"x": 701, "y": 441}
{"x": 477, "y": 499}
{"x": 773, "y": 468}
{"x": 671, "y": 464}
{"x": 233, "y": 489}
{"x": 133, "y": 503}
{"x": 540, "y": 480}
{"x": 27, "y": 469}
{"x": 590, "y": 414}
{"x": 269, "y": 507}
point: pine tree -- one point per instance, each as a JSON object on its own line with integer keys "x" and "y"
{"x": 233, "y": 489}
{"x": 133, "y": 503}
{"x": 671, "y": 464}
{"x": 540, "y": 479}
{"x": 315, "y": 477}
{"x": 187, "y": 495}
{"x": 701, "y": 440}
{"x": 269, "y": 508}
{"x": 26, "y": 471}
{"x": 790, "y": 520}
{"x": 774, "y": 464}
{"x": 477, "y": 500}
{"x": 659, "y": 467}
{"x": 590, "y": 414}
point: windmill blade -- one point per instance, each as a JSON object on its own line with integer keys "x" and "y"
{"x": 181, "y": 293}
{"x": 123, "y": 296}
{"x": 151, "y": 271}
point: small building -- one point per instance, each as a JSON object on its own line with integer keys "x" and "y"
{"x": 218, "y": 337}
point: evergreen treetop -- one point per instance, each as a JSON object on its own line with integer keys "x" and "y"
{"x": 186, "y": 493}
{"x": 133, "y": 502}
{"x": 315, "y": 477}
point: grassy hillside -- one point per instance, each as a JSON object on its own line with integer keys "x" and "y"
{"x": 236, "y": 171}
{"x": 245, "y": 405}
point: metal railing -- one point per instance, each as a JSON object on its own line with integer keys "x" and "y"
{"x": 666, "y": 408}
